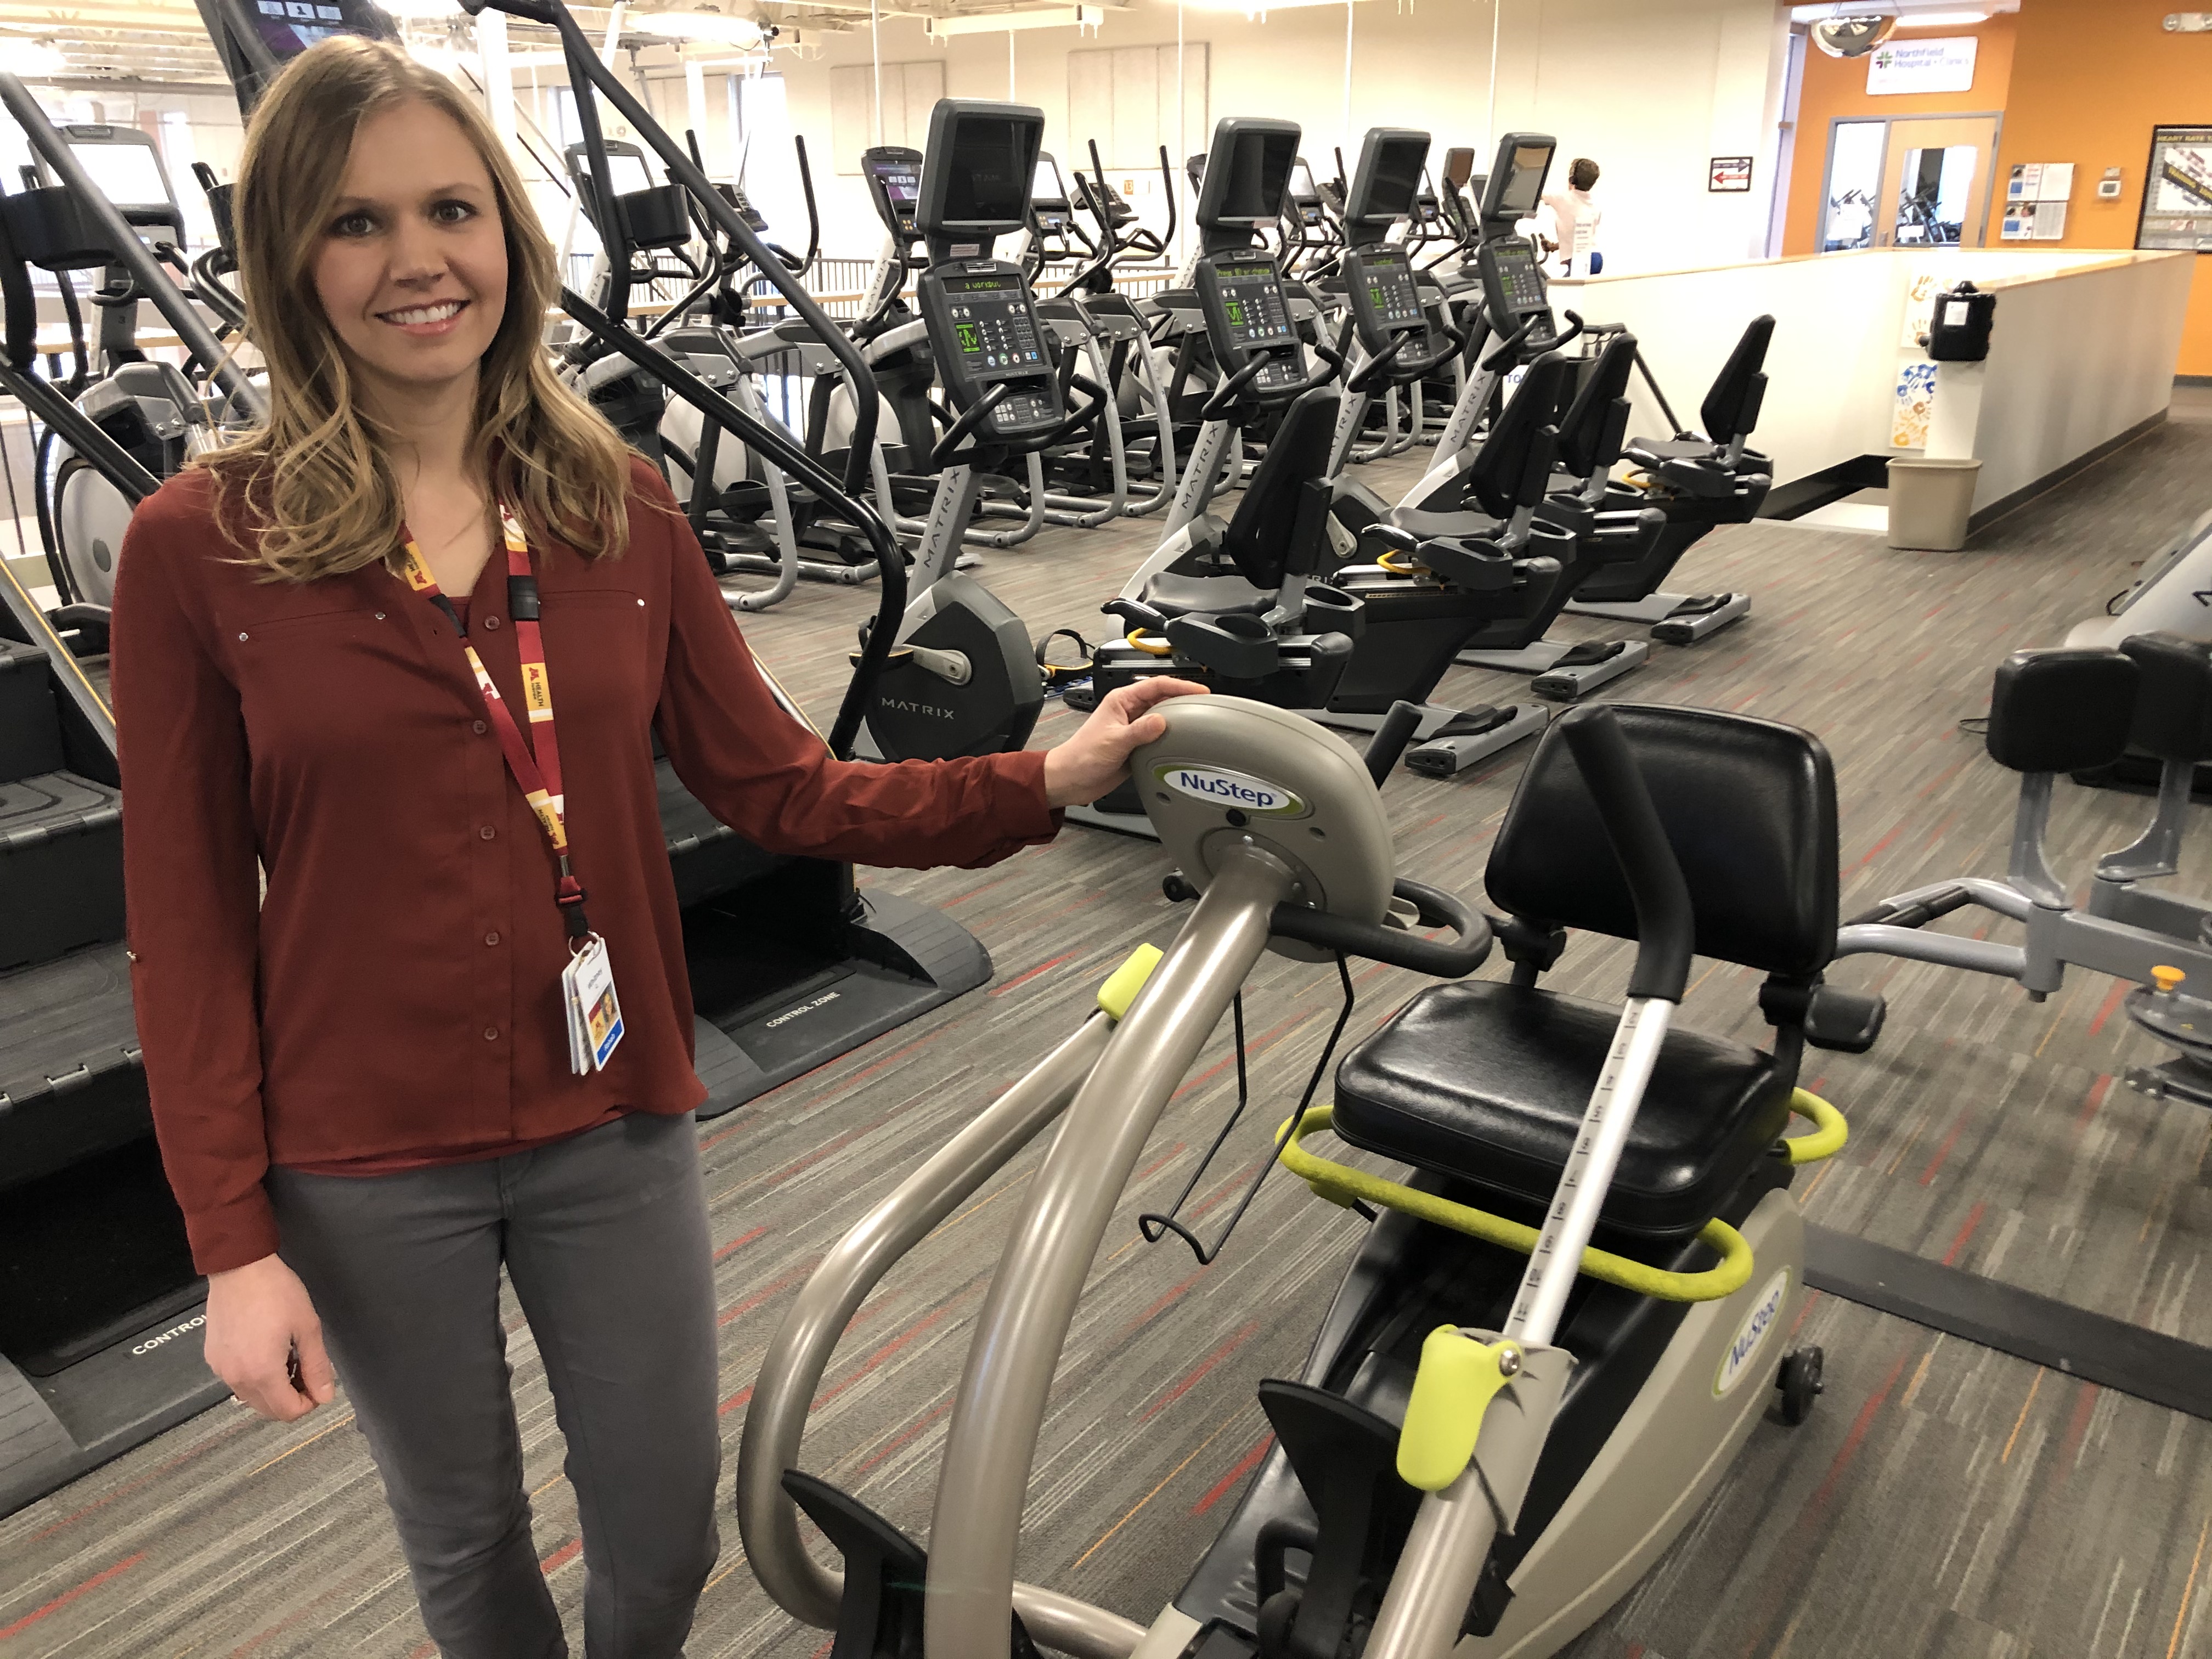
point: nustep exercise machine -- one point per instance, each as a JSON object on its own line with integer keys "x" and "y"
{"x": 1549, "y": 1345}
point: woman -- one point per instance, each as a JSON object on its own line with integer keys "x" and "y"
{"x": 363, "y": 1083}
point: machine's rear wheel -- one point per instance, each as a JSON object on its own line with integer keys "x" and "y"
{"x": 1798, "y": 1380}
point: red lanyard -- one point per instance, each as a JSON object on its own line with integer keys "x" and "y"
{"x": 538, "y": 773}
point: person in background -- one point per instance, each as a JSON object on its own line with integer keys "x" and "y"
{"x": 1567, "y": 225}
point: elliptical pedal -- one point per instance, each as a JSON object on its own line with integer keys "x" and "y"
{"x": 1487, "y": 733}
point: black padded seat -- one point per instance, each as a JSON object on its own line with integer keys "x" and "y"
{"x": 1172, "y": 595}
{"x": 1668, "y": 449}
{"x": 1487, "y": 1083}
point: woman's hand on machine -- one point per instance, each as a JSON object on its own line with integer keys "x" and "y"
{"x": 264, "y": 1341}
{"x": 1096, "y": 757}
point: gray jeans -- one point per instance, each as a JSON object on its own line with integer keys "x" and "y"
{"x": 605, "y": 1238}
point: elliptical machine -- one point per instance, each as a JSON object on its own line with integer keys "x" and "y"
{"x": 962, "y": 678}
{"x": 1260, "y": 605}
{"x": 151, "y": 411}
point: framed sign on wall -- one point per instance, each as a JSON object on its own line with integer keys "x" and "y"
{"x": 1728, "y": 174}
{"x": 2177, "y": 203}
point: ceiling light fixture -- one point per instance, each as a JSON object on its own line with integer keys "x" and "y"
{"x": 719, "y": 28}
{"x": 998, "y": 22}
{"x": 29, "y": 60}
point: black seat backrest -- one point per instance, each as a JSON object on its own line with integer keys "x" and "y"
{"x": 1598, "y": 416}
{"x": 1749, "y": 806}
{"x": 2174, "y": 696}
{"x": 2062, "y": 710}
{"x": 1499, "y": 477}
{"x": 1261, "y": 536}
{"x": 1731, "y": 408}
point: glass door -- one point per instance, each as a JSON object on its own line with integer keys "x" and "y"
{"x": 1908, "y": 181}
{"x": 1935, "y": 182}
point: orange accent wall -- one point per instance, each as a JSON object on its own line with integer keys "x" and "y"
{"x": 2079, "y": 80}
{"x": 1835, "y": 87}
{"x": 2090, "y": 79}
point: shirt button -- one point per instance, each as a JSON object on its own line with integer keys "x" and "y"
{"x": 491, "y": 622}
{"x": 491, "y": 939}
{"x": 491, "y": 1034}
{"x": 487, "y": 832}
{"x": 478, "y": 727}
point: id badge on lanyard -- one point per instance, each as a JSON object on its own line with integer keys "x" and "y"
{"x": 588, "y": 983}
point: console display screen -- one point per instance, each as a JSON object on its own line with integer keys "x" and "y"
{"x": 1518, "y": 284}
{"x": 1259, "y": 321}
{"x": 900, "y": 185}
{"x": 1258, "y": 167}
{"x": 994, "y": 330}
{"x": 1524, "y": 182}
{"x": 1046, "y": 186}
{"x": 290, "y": 27}
{"x": 1392, "y": 181}
{"x": 1252, "y": 299}
{"x": 981, "y": 187}
{"x": 128, "y": 174}
{"x": 628, "y": 174}
{"x": 1391, "y": 293}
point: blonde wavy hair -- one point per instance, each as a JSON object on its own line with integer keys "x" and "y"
{"x": 317, "y": 478}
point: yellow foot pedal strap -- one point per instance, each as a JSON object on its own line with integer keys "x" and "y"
{"x": 1457, "y": 1379}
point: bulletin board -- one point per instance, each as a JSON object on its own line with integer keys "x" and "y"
{"x": 2176, "y": 204}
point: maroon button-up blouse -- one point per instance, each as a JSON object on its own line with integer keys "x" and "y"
{"x": 399, "y": 988}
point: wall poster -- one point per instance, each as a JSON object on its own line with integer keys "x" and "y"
{"x": 2176, "y": 207}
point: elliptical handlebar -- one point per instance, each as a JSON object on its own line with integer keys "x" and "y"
{"x": 813, "y": 214}
{"x": 793, "y": 457}
{"x": 970, "y": 417}
{"x": 604, "y": 83}
{"x": 1665, "y": 924}
{"x": 1217, "y": 406}
{"x": 1510, "y": 348}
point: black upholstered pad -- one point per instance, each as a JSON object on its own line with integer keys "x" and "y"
{"x": 1487, "y": 1083}
{"x": 1749, "y": 806}
{"x": 1172, "y": 595}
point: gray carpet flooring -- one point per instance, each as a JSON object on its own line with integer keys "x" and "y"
{"x": 1943, "y": 1501}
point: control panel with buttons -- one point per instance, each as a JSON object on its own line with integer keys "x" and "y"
{"x": 984, "y": 332}
{"x": 1248, "y": 315}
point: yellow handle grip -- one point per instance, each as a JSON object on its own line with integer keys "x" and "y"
{"x": 1457, "y": 1380}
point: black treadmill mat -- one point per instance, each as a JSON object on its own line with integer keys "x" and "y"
{"x": 84, "y": 1248}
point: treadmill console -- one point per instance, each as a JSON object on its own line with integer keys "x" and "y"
{"x": 1513, "y": 290}
{"x": 983, "y": 330}
{"x": 1248, "y": 315}
{"x": 1386, "y": 301}
{"x": 894, "y": 177}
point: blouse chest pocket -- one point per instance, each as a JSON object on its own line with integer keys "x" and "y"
{"x": 255, "y": 637}
{"x": 597, "y": 654}
{"x": 311, "y": 678}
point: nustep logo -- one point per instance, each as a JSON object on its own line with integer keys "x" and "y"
{"x": 1255, "y": 796}
{"x": 1751, "y": 1335}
